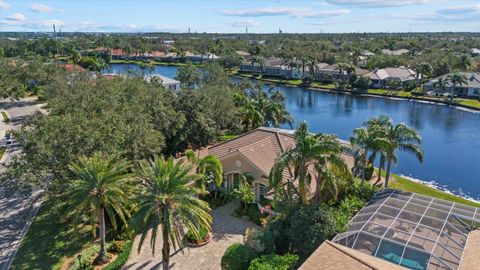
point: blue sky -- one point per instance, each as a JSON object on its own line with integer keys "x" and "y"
{"x": 232, "y": 16}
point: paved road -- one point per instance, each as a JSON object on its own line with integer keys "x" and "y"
{"x": 16, "y": 212}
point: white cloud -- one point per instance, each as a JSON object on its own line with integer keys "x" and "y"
{"x": 379, "y": 3}
{"x": 451, "y": 14}
{"x": 17, "y": 17}
{"x": 40, "y": 8}
{"x": 243, "y": 23}
{"x": 4, "y": 5}
{"x": 297, "y": 12}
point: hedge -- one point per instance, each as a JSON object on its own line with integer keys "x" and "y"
{"x": 274, "y": 262}
{"x": 122, "y": 257}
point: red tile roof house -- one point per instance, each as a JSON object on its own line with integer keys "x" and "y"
{"x": 119, "y": 54}
{"x": 255, "y": 152}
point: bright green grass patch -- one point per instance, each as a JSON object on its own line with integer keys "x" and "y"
{"x": 2, "y": 151}
{"x": 324, "y": 86}
{"x": 227, "y": 137}
{"x": 50, "y": 240}
{"x": 5, "y": 117}
{"x": 469, "y": 102}
{"x": 401, "y": 183}
{"x": 390, "y": 92}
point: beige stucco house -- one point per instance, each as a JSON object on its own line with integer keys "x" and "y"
{"x": 254, "y": 152}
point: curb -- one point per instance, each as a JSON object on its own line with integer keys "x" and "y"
{"x": 9, "y": 146}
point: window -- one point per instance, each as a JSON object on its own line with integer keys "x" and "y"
{"x": 233, "y": 180}
{"x": 261, "y": 191}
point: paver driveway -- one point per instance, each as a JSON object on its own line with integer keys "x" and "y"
{"x": 226, "y": 231}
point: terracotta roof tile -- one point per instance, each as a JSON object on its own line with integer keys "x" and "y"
{"x": 331, "y": 256}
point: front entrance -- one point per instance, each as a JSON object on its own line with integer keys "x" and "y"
{"x": 232, "y": 181}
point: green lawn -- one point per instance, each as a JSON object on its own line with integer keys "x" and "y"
{"x": 5, "y": 117}
{"x": 390, "y": 92}
{"x": 49, "y": 240}
{"x": 324, "y": 86}
{"x": 401, "y": 183}
{"x": 469, "y": 102}
{"x": 2, "y": 151}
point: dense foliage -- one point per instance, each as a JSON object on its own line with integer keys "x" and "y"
{"x": 237, "y": 257}
{"x": 274, "y": 262}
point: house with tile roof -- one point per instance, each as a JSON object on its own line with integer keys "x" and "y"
{"x": 255, "y": 152}
{"x": 273, "y": 66}
{"x": 470, "y": 89}
{"x": 380, "y": 77}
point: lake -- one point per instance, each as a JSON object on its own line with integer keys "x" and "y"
{"x": 451, "y": 137}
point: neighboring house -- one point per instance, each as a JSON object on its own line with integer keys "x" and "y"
{"x": 74, "y": 68}
{"x": 380, "y": 77}
{"x": 273, "y": 66}
{"x": 471, "y": 89}
{"x": 475, "y": 52}
{"x": 326, "y": 72}
{"x": 367, "y": 53}
{"x": 399, "y": 230}
{"x": 255, "y": 153}
{"x": 168, "y": 83}
{"x": 243, "y": 54}
{"x": 118, "y": 54}
{"x": 397, "y": 52}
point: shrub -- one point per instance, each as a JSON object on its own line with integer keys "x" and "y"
{"x": 369, "y": 171}
{"x": 116, "y": 246}
{"x": 307, "y": 227}
{"x": 237, "y": 257}
{"x": 261, "y": 241}
{"x": 274, "y": 262}
{"x": 82, "y": 260}
{"x": 122, "y": 257}
{"x": 203, "y": 233}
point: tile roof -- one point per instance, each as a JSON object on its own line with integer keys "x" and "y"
{"x": 74, "y": 68}
{"x": 402, "y": 73}
{"x": 470, "y": 258}
{"x": 473, "y": 79}
{"x": 332, "y": 256}
{"x": 118, "y": 52}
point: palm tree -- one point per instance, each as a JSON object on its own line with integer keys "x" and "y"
{"x": 168, "y": 202}
{"x": 399, "y": 137}
{"x": 275, "y": 113}
{"x": 465, "y": 62}
{"x": 210, "y": 167}
{"x": 377, "y": 126}
{"x": 99, "y": 184}
{"x": 252, "y": 116}
{"x": 441, "y": 83}
{"x": 422, "y": 70}
{"x": 362, "y": 139}
{"x": 456, "y": 79}
{"x": 314, "y": 156}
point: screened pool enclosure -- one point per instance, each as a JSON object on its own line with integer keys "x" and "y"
{"x": 412, "y": 230}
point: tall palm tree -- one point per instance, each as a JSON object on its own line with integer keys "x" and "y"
{"x": 314, "y": 156}
{"x": 441, "y": 83}
{"x": 275, "y": 113}
{"x": 377, "y": 127}
{"x": 252, "y": 116}
{"x": 399, "y": 137}
{"x": 456, "y": 79}
{"x": 99, "y": 185}
{"x": 168, "y": 202}
{"x": 210, "y": 167}
{"x": 362, "y": 139}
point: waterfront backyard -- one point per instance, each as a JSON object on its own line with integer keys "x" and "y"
{"x": 447, "y": 131}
